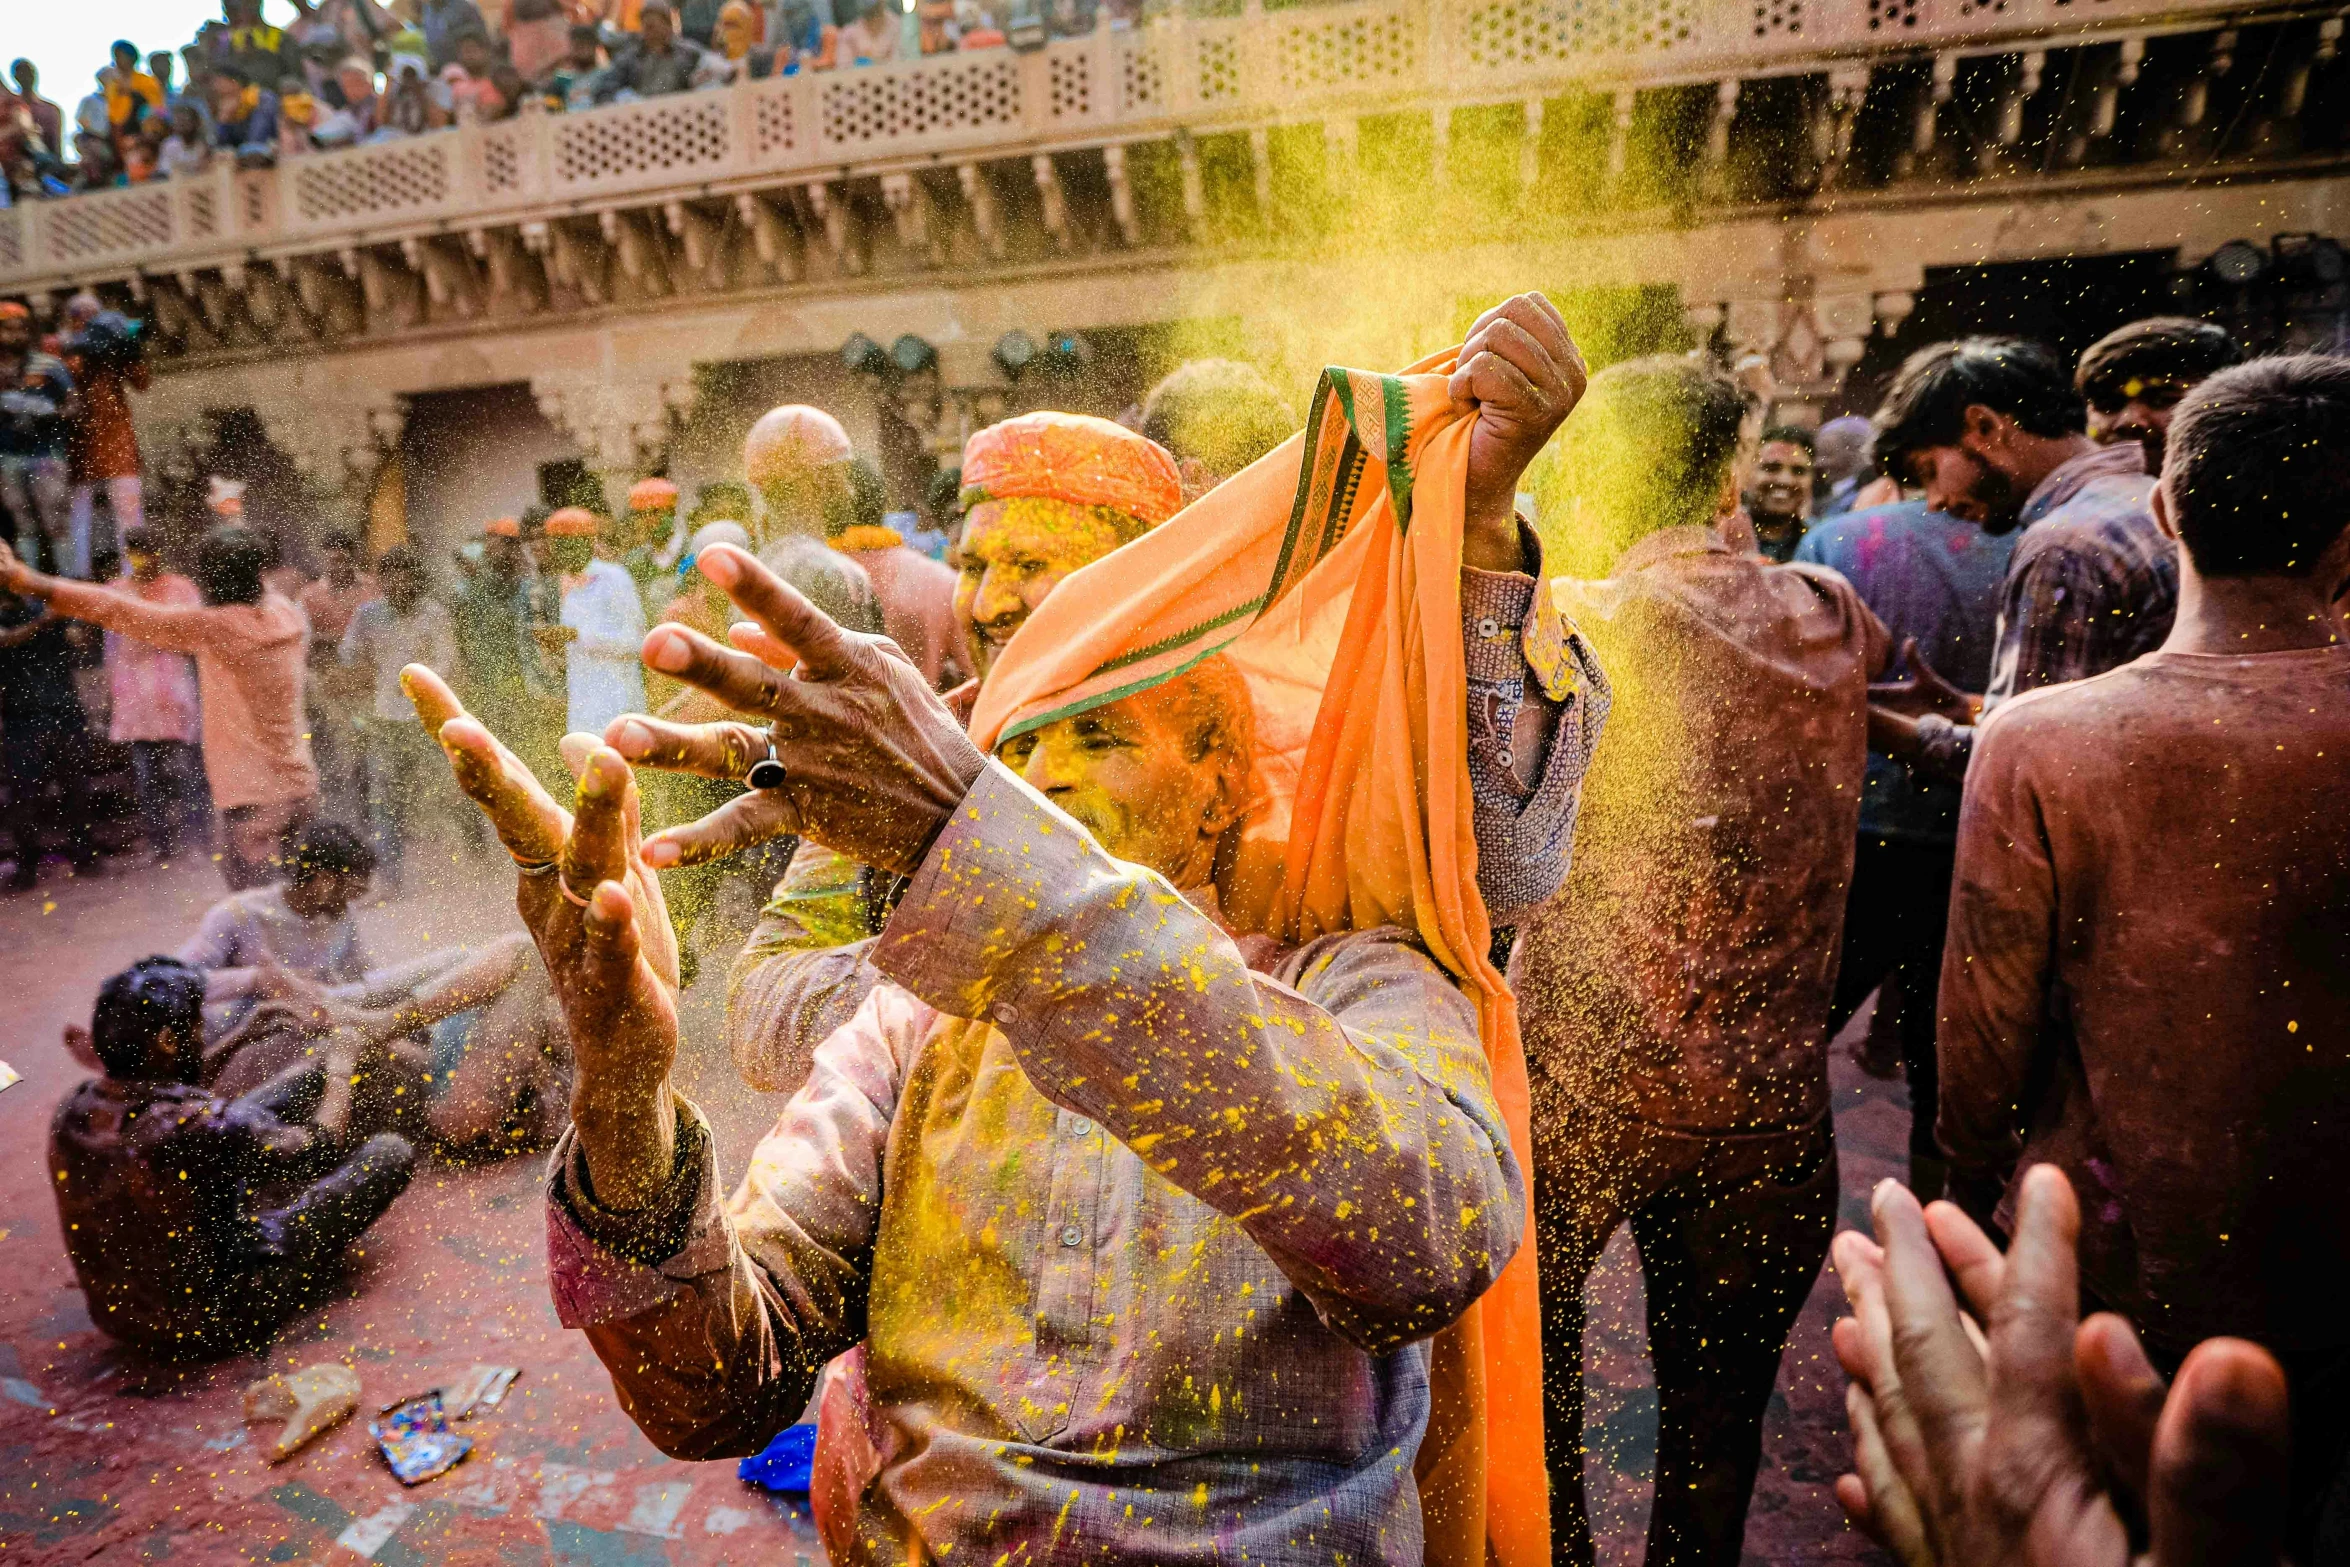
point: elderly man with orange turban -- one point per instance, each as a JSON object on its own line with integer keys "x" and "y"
{"x": 1152, "y": 1194}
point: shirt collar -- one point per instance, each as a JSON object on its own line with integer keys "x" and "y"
{"x": 2121, "y": 460}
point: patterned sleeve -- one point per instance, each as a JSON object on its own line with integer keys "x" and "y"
{"x": 1528, "y": 752}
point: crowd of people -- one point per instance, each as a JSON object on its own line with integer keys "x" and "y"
{"x": 1189, "y": 1177}
{"x": 348, "y": 72}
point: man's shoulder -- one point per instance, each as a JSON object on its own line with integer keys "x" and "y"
{"x": 2069, "y": 715}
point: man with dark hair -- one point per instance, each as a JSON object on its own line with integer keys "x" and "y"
{"x": 2134, "y": 376}
{"x": 1778, "y": 495}
{"x": 154, "y": 1178}
{"x": 2148, "y": 975}
{"x": 1674, "y": 995}
{"x": 657, "y": 61}
{"x": 1993, "y": 431}
{"x": 248, "y": 645}
{"x": 337, "y": 698}
{"x": 405, "y": 626}
{"x": 36, "y": 405}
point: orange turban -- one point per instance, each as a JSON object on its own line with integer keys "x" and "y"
{"x": 572, "y": 522}
{"x": 1074, "y": 458}
{"x": 652, "y": 495}
{"x": 790, "y": 441}
{"x": 503, "y": 528}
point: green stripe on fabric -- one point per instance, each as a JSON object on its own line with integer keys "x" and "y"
{"x": 1397, "y": 398}
{"x": 1170, "y": 644}
{"x": 1105, "y": 698}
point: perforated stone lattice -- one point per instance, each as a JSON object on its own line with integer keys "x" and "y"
{"x": 1972, "y": 8}
{"x": 1892, "y": 14}
{"x": 774, "y": 132}
{"x": 1219, "y": 69}
{"x": 1142, "y": 81}
{"x": 253, "y": 200}
{"x": 203, "y": 213}
{"x": 11, "y": 240}
{"x": 1348, "y": 51}
{"x": 501, "y": 161}
{"x": 863, "y": 107}
{"x": 1777, "y": 18}
{"x": 370, "y": 180}
{"x": 1071, "y": 77}
{"x": 1537, "y": 32}
{"x": 104, "y": 225}
{"x": 670, "y": 134}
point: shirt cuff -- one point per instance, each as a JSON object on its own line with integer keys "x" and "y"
{"x": 605, "y": 1265}
{"x": 1515, "y": 627}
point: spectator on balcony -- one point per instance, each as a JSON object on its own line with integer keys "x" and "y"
{"x": 698, "y": 20}
{"x": 187, "y": 150}
{"x": 570, "y": 83}
{"x": 871, "y": 34}
{"x": 301, "y": 118}
{"x": 257, "y": 49}
{"x": 538, "y": 35}
{"x": 802, "y": 35}
{"x": 143, "y": 152}
{"x": 99, "y": 166}
{"x": 131, "y": 94}
{"x": 977, "y": 26}
{"x": 658, "y": 62}
{"x": 444, "y": 22}
{"x": 244, "y": 115}
{"x": 471, "y": 93}
{"x": 738, "y": 39}
{"x": 410, "y": 108}
{"x": 1070, "y": 18}
{"x": 159, "y": 66}
{"x": 935, "y": 29}
{"x": 48, "y": 119}
{"x": 362, "y": 105}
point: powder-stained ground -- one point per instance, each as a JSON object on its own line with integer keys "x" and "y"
{"x": 104, "y": 1457}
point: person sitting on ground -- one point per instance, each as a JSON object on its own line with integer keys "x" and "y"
{"x": 156, "y": 1179}
{"x": 1243, "y": 1116}
{"x": 490, "y": 1055}
{"x": 248, "y": 642}
{"x": 1216, "y": 416}
{"x": 917, "y": 594}
{"x": 2133, "y": 377}
{"x": 2030, "y": 1435}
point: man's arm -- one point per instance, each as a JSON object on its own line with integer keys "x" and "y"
{"x": 176, "y": 627}
{"x": 1995, "y": 974}
{"x": 803, "y": 973}
{"x": 1357, "y": 1140}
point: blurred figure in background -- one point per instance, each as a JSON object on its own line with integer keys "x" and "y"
{"x": 600, "y": 629}
{"x": 36, "y": 404}
{"x": 45, "y": 738}
{"x": 797, "y": 458}
{"x": 155, "y": 707}
{"x": 108, "y": 362}
{"x": 917, "y": 594}
{"x": 1216, "y": 416}
{"x": 1845, "y": 452}
{"x": 405, "y": 626}
{"x": 338, "y": 694}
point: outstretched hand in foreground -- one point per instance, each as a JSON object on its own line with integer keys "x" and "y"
{"x": 874, "y": 761}
{"x": 601, "y": 928}
{"x": 2035, "y": 1443}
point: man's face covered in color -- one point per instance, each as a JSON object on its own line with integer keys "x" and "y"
{"x": 1155, "y": 777}
{"x": 1014, "y": 553}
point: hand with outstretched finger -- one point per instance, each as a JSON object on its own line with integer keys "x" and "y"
{"x": 2031, "y": 1442}
{"x": 874, "y": 762}
{"x": 601, "y": 928}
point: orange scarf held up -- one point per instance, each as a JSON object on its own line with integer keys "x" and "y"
{"x": 1328, "y": 573}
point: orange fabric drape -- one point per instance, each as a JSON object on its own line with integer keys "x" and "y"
{"x": 1328, "y": 572}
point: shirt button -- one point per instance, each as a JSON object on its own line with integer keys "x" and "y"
{"x": 1081, "y": 1127}
{"x": 1508, "y": 758}
{"x": 1489, "y": 628}
{"x": 1007, "y": 1014}
{"x": 1071, "y": 1235}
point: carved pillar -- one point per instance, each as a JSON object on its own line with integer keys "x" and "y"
{"x": 622, "y": 427}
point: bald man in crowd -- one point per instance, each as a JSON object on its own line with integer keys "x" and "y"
{"x": 798, "y": 458}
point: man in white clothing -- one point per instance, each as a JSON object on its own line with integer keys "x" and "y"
{"x": 602, "y": 627}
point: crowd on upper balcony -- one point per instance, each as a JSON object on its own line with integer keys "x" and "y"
{"x": 345, "y": 72}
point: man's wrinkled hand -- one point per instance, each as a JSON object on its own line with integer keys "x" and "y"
{"x": 874, "y": 763}
{"x": 1522, "y": 374}
{"x": 2030, "y": 1442}
{"x": 601, "y": 928}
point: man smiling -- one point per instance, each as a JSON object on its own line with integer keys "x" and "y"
{"x": 1143, "y": 1243}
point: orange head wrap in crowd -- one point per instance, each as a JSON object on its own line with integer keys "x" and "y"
{"x": 503, "y": 528}
{"x": 1302, "y": 573}
{"x": 652, "y": 495}
{"x": 572, "y": 522}
{"x": 1073, "y": 458}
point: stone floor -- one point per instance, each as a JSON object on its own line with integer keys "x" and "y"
{"x": 104, "y": 1457}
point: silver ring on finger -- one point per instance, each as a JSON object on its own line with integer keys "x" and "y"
{"x": 768, "y": 771}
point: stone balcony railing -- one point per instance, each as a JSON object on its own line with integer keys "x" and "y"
{"x": 1173, "y": 76}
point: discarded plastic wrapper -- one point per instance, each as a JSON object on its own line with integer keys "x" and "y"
{"x": 482, "y": 1388}
{"x": 308, "y": 1401}
{"x": 416, "y": 1440}
{"x": 9, "y": 1076}
{"x": 785, "y": 1464}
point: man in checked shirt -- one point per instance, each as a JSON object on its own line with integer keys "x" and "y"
{"x": 1072, "y": 1353}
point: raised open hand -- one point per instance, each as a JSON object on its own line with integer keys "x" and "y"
{"x": 601, "y": 929}
{"x": 2029, "y": 1445}
{"x": 874, "y": 763}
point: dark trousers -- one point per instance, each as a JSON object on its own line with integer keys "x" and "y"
{"x": 47, "y": 757}
{"x": 1895, "y": 918}
{"x": 1732, "y": 1230}
{"x": 298, "y": 1240}
{"x": 168, "y": 778}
